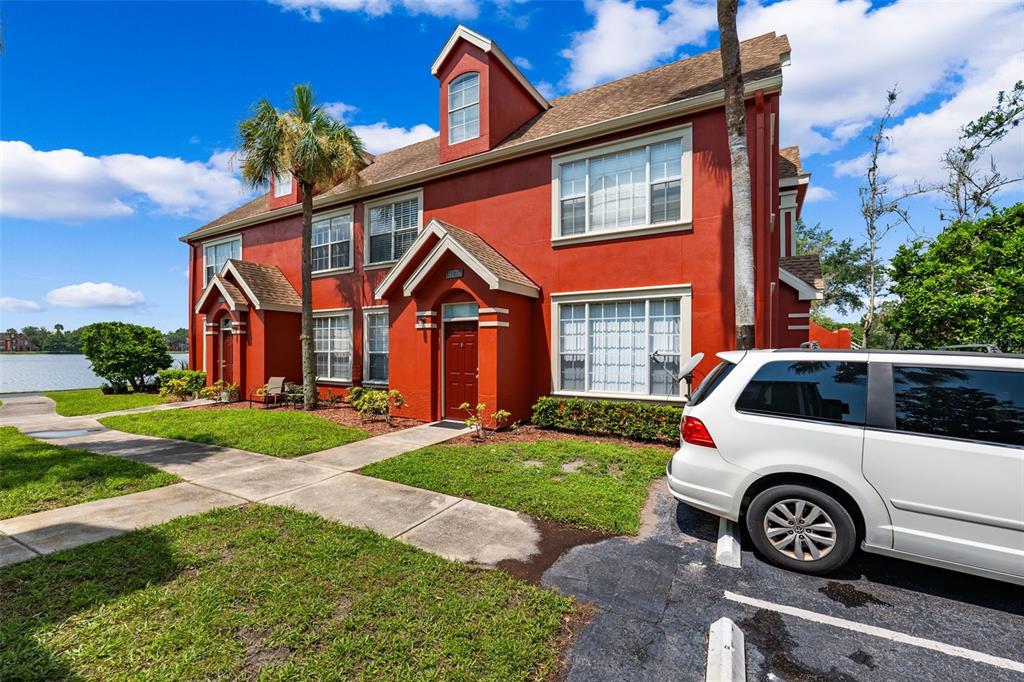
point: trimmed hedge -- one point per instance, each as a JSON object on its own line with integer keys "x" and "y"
{"x": 636, "y": 420}
{"x": 194, "y": 380}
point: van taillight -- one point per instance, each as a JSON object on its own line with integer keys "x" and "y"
{"x": 694, "y": 432}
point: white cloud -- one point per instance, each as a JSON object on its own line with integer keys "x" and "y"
{"x": 312, "y": 9}
{"x": 847, "y": 54}
{"x": 816, "y": 193}
{"x": 626, "y": 38}
{"x": 919, "y": 140}
{"x": 95, "y": 295}
{"x": 380, "y": 137}
{"x": 339, "y": 110}
{"x": 522, "y": 62}
{"x": 18, "y": 304}
{"x": 548, "y": 90}
{"x": 67, "y": 184}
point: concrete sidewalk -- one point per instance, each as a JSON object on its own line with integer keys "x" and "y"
{"x": 321, "y": 482}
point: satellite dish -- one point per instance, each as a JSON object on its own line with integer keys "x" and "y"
{"x": 690, "y": 365}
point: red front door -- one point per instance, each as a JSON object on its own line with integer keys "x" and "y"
{"x": 226, "y": 356}
{"x": 460, "y": 368}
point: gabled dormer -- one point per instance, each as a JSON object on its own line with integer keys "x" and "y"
{"x": 284, "y": 191}
{"x": 484, "y": 97}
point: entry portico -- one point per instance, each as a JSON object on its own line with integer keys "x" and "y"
{"x": 462, "y": 316}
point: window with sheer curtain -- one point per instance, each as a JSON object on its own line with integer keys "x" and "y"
{"x": 638, "y": 186}
{"x": 620, "y": 347}
{"x": 332, "y": 346}
{"x": 393, "y": 228}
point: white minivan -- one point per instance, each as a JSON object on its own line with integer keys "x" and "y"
{"x": 916, "y": 454}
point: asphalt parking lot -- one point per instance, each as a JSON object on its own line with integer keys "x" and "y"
{"x": 880, "y": 619}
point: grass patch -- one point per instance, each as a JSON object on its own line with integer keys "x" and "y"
{"x": 594, "y": 485}
{"x": 94, "y": 401}
{"x": 272, "y": 593}
{"x": 36, "y": 476}
{"x": 281, "y": 434}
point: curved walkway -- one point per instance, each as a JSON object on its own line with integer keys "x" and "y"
{"x": 323, "y": 483}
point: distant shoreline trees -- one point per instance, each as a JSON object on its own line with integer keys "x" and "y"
{"x": 32, "y": 339}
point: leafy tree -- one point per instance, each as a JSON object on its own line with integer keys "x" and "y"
{"x": 125, "y": 354}
{"x": 177, "y": 339}
{"x": 965, "y": 286}
{"x": 36, "y": 336}
{"x": 742, "y": 213}
{"x": 318, "y": 151}
{"x": 969, "y": 190}
{"x": 844, "y": 267}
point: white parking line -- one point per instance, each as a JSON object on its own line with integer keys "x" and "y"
{"x": 891, "y": 635}
{"x": 726, "y": 655}
{"x": 727, "y": 552}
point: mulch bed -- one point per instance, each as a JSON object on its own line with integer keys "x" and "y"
{"x": 343, "y": 414}
{"x": 533, "y": 434}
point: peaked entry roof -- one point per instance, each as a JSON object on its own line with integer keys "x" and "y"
{"x": 470, "y": 248}
{"x": 264, "y": 286}
{"x": 803, "y": 273}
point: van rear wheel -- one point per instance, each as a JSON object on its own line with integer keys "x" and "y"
{"x": 801, "y": 528}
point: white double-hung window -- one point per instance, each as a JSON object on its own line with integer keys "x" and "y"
{"x": 464, "y": 108}
{"x": 282, "y": 184}
{"x": 627, "y": 343}
{"x": 332, "y": 242}
{"x": 217, "y": 253}
{"x": 375, "y": 341}
{"x": 332, "y": 345}
{"x": 640, "y": 184}
{"x": 394, "y": 223}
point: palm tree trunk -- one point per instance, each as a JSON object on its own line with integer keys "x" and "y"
{"x": 742, "y": 214}
{"x": 306, "y": 337}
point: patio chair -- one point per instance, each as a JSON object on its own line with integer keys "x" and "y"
{"x": 272, "y": 393}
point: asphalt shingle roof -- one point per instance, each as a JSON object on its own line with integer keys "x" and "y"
{"x": 267, "y": 283}
{"x": 487, "y": 255}
{"x": 807, "y": 268}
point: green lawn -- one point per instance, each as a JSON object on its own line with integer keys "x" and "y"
{"x": 36, "y": 476}
{"x": 272, "y": 593}
{"x": 277, "y": 433}
{"x": 606, "y": 492}
{"x": 93, "y": 401}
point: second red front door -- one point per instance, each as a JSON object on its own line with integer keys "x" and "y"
{"x": 461, "y": 374}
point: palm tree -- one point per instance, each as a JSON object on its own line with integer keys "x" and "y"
{"x": 318, "y": 151}
{"x": 742, "y": 214}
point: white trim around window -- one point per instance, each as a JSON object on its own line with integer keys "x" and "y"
{"x": 650, "y": 163}
{"x": 326, "y": 252}
{"x": 217, "y": 242}
{"x": 375, "y": 345}
{"x": 368, "y": 207}
{"x": 282, "y": 184}
{"x": 588, "y": 327}
{"x": 332, "y": 345}
{"x": 464, "y": 108}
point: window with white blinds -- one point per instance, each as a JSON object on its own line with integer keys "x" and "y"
{"x": 636, "y": 185}
{"x": 332, "y": 346}
{"x": 464, "y": 108}
{"x": 215, "y": 255}
{"x": 375, "y": 339}
{"x": 606, "y": 347}
{"x": 393, "y": 228}
{"x": 332, "y": 243}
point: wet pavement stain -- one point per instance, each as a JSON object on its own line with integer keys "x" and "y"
{"x": 555, "y": 540}
{"x": 863, "y": 658}
{"x": 849, "y": 596}
{"x": 767, "y": 631}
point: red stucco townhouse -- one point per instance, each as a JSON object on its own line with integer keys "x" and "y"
{"x": 534, "y": 247}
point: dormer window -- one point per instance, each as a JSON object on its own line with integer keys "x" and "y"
{"x": 464, "y": 108}
{"x": 282, "y": 184}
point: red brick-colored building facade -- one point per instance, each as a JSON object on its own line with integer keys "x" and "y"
{"x": 581, "y": 246}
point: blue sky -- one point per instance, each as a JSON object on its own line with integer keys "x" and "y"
{"x": 117, "y": 119}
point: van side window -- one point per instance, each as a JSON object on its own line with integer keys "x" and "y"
{"x": 711, "y": 381}
{"x": 815, "y": 390}
{"x": 975, "y": 404}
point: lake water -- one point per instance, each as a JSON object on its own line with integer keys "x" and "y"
{"x": 30, "y": 372}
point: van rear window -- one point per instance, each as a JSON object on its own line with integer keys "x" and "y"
{"x": 711, "y": 381}
{"x": 814, "y": 390}
{"x": 974, "y": 404}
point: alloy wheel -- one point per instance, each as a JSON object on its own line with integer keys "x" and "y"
{"x": 800, "y": 529}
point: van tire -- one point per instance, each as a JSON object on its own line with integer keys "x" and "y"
{"x": 781, "y": 502}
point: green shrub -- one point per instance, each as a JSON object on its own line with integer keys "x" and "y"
{"x": 639, "y": 421}
{"x": 125, "y": 353}
{"x": 181, "y": 383}
{"x": 372, "y": 402}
